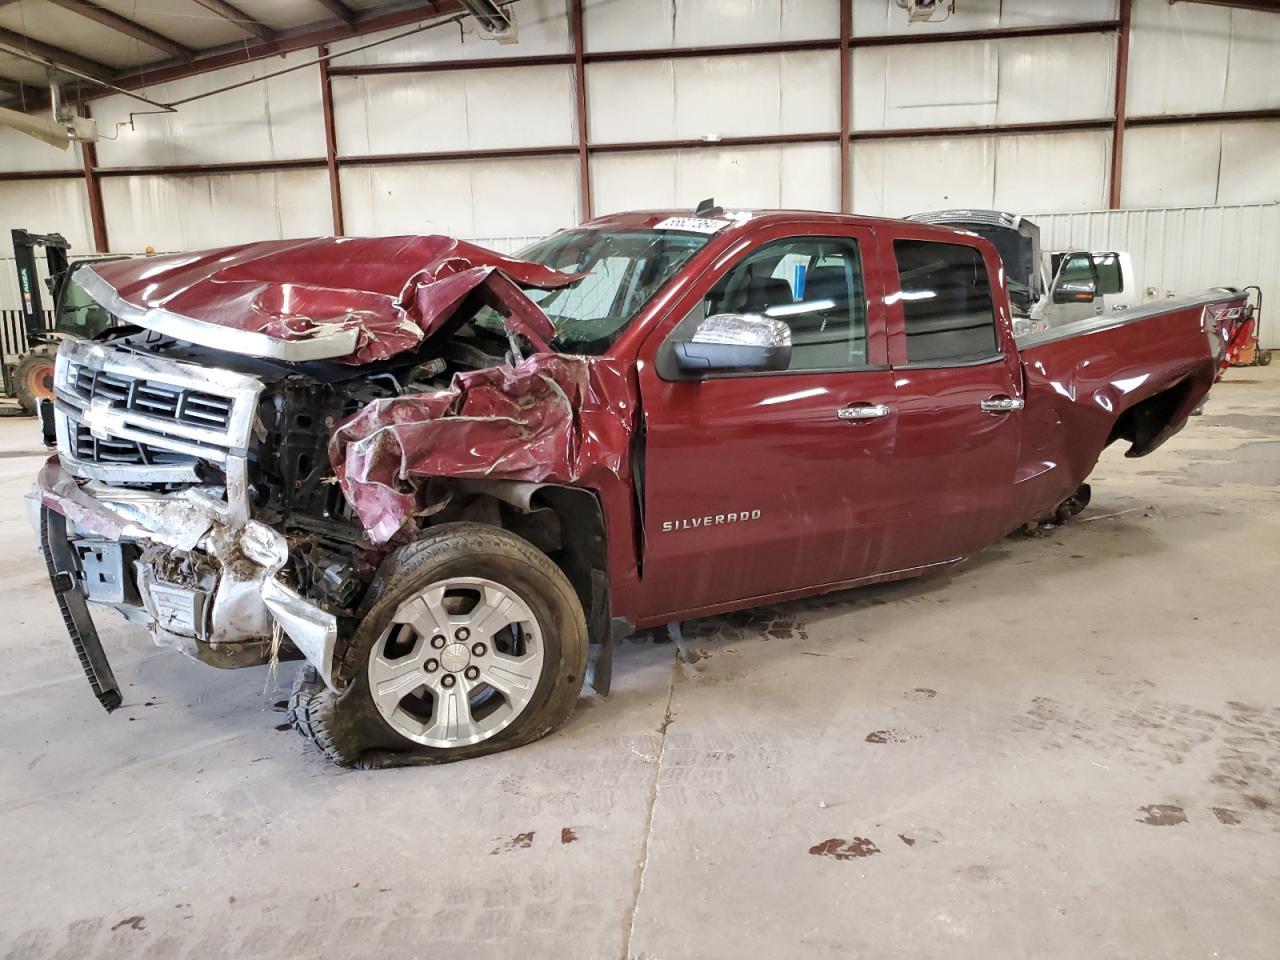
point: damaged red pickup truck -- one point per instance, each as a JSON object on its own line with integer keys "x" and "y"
{"x": 449, "y": 479}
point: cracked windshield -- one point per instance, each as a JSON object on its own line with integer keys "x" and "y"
{"x": 627, "y": 268}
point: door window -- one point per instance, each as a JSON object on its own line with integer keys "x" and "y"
{"x": 812, "y": 284}
{"x": 947, "y": 306}
{"x": 1110, "y": 277}
{"x": 1077, "y": 269}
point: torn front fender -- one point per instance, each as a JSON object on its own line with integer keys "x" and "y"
{"x": 351, "y": 299}
{"x": 554, "y": 418}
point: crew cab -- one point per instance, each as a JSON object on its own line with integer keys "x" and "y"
{"x": 451, "y": 480}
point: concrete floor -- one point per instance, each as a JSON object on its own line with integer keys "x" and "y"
{"x": 1067, "y": 747}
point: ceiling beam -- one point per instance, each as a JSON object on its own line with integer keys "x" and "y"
{"x": 340, "y": 10}
{"x": 241, "y": 19}
{"x": 57, "y": 55}
{"x": 301, "y": 38}
{"x": 130, "y": 28}
{"x": 1263, "y": 6}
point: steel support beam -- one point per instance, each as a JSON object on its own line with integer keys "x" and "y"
{"x": 340, "y": 10}
{"x": 93, "y": 187}
{"x": 1262, "y": 6}
{"x": 56, "y": 55}
{"x": 286, "y": 42}
{"x": 241, "y": 19}
{"x": 1122, "y": 94}
{"x": 130, "y": 28}
{"x": 846, "y": 103}
{"x": 330, "y": 146}
{"x": 580, "y": 106}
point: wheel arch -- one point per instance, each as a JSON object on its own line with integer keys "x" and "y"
{"x": 1152, "y": 420}
{"x": 566, "y": 523}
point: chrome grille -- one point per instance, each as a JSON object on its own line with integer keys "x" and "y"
{"x": 130, "y": 417}
{"x": 91, "y": 449}
{"x": 151, "y": 397}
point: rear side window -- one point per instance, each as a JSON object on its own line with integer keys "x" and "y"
{"x": 947, "y": 306}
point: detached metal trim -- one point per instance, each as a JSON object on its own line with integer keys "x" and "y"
{"x": 322, "y": 346}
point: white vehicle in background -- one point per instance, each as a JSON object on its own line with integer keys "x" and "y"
{"x": 1047, "y": 289}
{"x": 1108, "y": 273}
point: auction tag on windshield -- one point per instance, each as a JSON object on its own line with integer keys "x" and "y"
{"x": 693, "y": 224}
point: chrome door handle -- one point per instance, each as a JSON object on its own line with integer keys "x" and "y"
{"x": 863, "y": 411}
{"x": 1002, "y": 404}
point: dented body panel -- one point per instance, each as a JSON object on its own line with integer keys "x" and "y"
{"x": 375, "y": 411}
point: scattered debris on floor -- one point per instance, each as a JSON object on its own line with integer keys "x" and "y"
{"x": 840, "y": 849}
{"x": 1163, "y": 815}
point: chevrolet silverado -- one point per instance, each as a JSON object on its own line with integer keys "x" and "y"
{"x": 450, "y": 480}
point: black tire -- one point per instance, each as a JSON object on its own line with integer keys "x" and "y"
{"x": 1264, "y": 358}
{"x": 33, "y": 375}
{"x": 348, "y": 728}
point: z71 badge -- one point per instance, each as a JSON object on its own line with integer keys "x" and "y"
{"x": 695, "y": 523}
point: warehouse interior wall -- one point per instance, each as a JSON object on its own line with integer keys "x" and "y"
{"x": 494, "y": 153}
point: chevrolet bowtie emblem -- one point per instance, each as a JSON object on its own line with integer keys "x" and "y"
{"x": 95, "y": 418}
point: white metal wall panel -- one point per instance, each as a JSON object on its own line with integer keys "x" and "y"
{"x": 1180, "y": 251}
{"x": 682, "y": 99}
{"x": 456, "y": 110}
{"x": 194, "y": 213}
{"x": 650, "y": 24}
{"x": 528, "y": 197}
{"x": 1056, "y": 78}
{"x": 936, "y": 85}
{"x": 1250, "y": 168}
{"x": 1171, "y": 166}
{"x": 799, "y": 176}
{"x": 873, "y": 18}
{"x": 978, "y": 83}
{"x": 21, "y": 152}
{"x": 542, "y": 28}
{"x": 1189, "y": 58}
{"x": 892, "y": 178}
{"x": 45, "y": 206}
{"x": 278, "y": 119}
{"x": 1068, "y": 171}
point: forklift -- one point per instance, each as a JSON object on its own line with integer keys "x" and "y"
{"x": 30, "y": 377}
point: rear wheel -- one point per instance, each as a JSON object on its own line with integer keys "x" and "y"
{"x": 475, "y": 642}
{"x": 33, "y": 375}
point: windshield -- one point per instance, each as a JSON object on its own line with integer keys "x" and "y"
{"x": 626, "y": 268}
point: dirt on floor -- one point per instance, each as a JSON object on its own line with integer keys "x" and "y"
{"x": 1069, "y": 746}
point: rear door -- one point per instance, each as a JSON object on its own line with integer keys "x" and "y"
{"x": 958, "y": 391}
{"x": 759, "y": 484}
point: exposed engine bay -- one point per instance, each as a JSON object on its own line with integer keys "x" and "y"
{"x": 198, "y": 487}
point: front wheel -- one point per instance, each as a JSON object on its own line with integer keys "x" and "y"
{"x": 474, "y": 642}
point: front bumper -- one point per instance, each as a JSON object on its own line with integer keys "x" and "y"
{"x": 198, "y": 577}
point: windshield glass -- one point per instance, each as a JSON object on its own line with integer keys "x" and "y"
{"x": 626, "y": 268}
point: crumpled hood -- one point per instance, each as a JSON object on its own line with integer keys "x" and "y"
{"x": 349, "y": 299}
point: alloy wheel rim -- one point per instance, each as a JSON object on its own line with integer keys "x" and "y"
{"x": 459, "y": 662}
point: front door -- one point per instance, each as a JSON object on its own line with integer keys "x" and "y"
{"x": 758, "y": 484}
{"x": 958, "y": 392}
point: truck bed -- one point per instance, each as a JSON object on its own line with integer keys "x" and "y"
{"x": 1134, "y": 375}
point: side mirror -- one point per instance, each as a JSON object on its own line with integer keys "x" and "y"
{"x": 1075, "y": 292}
{"x": 735, "y": 343}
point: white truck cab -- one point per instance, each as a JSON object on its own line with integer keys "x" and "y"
{"x": 1082, "y": 283}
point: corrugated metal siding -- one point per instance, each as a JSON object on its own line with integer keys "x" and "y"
{"x": 1181, "y": 250}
